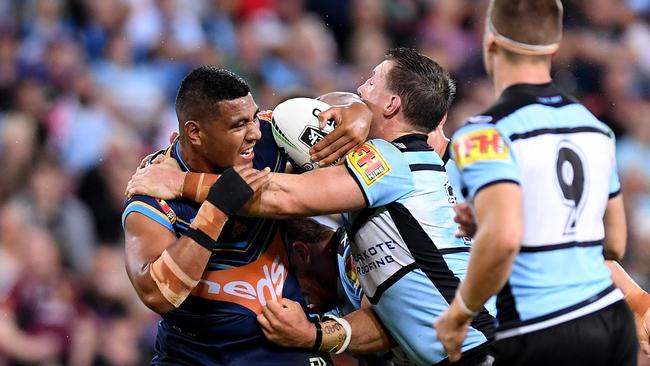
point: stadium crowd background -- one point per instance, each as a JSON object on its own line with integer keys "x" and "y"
{"x": 87, "y": 89}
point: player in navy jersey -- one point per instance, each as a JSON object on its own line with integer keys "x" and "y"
{"x": 205, "y": 270}
{"x": 539, "y": 170}
{"x": 399, "y": 220}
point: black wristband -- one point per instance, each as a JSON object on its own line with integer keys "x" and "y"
{"x": 201, "y": 238}
{"x": 230, "y": 192}
{"x": 319, "y": 337}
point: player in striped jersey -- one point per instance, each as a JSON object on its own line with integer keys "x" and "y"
{"x": 540, "y": 172}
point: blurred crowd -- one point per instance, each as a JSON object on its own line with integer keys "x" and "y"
{"x": 87, "y": 89}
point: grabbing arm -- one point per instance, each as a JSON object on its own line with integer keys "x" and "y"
{"x": 317, "y": 192}
{"x": 163, "y": 269}
{"x": 286, "y": 324}
{"x": 499, "y": 218}
{"x": 321, "y": 191}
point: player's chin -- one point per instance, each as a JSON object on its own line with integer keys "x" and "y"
{"x": 245, "y": 163}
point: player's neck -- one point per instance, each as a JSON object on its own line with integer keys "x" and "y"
{"x": 397, "y": 129}
{"x": 194, "y": 161}
{"x": 507, "y": 74}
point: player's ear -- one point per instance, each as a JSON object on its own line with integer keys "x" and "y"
{"x": 301, "y": 251}
{"x": 392, "y": 107}
{"x": 441, "y": 125}
{"x": 192, "y": 130}
{"x": 489, "y": 43}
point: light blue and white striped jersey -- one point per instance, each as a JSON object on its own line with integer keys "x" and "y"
{"x": 406, "y": 257}
{"x": 563, "y": 158}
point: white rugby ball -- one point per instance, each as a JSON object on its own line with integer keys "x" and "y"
{"x": 296, "y": 130}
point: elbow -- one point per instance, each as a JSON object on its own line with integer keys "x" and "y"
{"x": 150, "y": 295}
{"x": 146, "y": 289}
{"x": 614, "y": 254}
{"x": 614, "y": 246}
{"x": 507, "y": 242}
{"x": 156, "y": 302}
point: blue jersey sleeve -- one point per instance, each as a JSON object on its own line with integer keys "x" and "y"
{"x": 483, "y": 157}
{"x": 347, "y": 271}
{"x": 267, "y": 153}
{"x": 381, "y": 172}
{"x": 454, "y": 180}
{"x": 149, "y": 207}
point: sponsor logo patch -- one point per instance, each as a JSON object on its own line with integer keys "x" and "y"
{"x": 482, "y": 145}
{"x": 310, "y": 136}
{"x": 171, "y": 215}
{"x": 368, "y": 162}
{"x": 251, "y": 285}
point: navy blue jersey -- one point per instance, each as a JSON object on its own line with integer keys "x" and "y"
{"x": 217, "y": 323}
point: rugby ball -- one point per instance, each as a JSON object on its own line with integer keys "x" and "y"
{"x": 296, "y": 130}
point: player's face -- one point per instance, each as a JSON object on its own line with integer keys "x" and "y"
{"x": 318, "y": 275}
{"x": 374, "y": 91}
{"x": 228, "y": 140}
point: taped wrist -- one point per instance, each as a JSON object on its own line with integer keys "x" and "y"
{"x": 197, "y": 185}
{"x": 230, "y": 193}
{"x": 174, "y": 284}
{"x": 339, "y": 334}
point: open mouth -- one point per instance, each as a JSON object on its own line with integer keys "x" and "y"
{"x": 247, "y": 154}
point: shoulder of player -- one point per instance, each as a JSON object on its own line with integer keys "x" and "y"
{"x": 383, "y": 149}
{"x": 265, "y": 116}
{"x": 163, "y": 211}
{"x": 513, "y": 99}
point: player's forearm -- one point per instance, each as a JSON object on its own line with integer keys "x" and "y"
{"x": 365, "y": 334}
{"x": 163, "y": 283}
{"x": 184, "y": 262}
{"x": 317, "y": 192}
{"x": 178, "y": 267}
{"x": 273, "y": 200}
{"x": 499, "y": 216}
{"x": 280, "y": 198}
{"x": 368, "y": 333}
{"x": 636, "y": 297}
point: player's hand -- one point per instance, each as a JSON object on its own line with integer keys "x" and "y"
{"x": 286, "y": 324}
{"x": 451, "y": 329}
{"x": 145, "y": 161}
{"x": 465, "y": 219}
{"x": 643, "y": 332}
{"x": 352, "y": 127}
{"x": 639, "y": 302}
{"x": 255, "y": 179}
{"x": 163, "y": 179}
